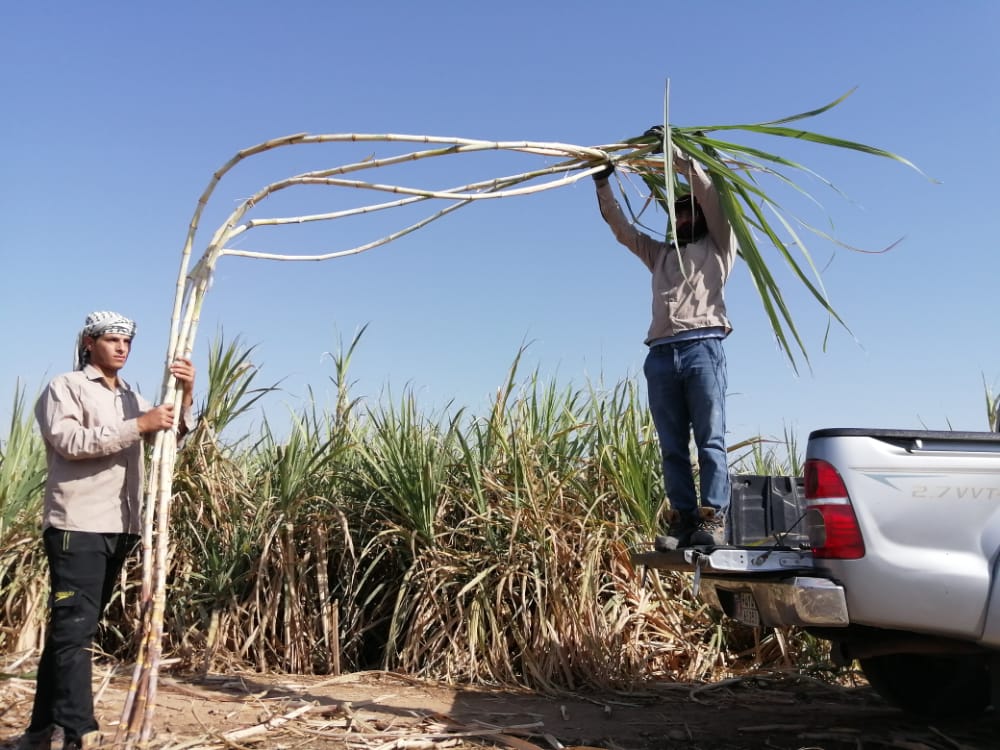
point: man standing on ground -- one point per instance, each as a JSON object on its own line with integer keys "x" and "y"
{"x": 686, "y": 367}
{"x": 92, "y": 423}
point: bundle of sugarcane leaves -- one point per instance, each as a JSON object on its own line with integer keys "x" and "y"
{"x": 738, "y": 171}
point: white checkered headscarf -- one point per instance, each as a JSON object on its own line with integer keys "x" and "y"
{"x": 97, "y": 324}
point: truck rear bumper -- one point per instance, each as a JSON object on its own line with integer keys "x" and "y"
{"x": 801, "y": 601}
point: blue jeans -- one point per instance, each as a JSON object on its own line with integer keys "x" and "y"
{"x": 687, "y": 392}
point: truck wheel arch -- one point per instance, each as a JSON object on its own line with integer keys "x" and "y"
{"x": 932, "y": 685}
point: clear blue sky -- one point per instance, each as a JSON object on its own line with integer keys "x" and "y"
{"x": 115, "y": 116}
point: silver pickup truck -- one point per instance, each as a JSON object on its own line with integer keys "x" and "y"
{"x": 890, "y": 550}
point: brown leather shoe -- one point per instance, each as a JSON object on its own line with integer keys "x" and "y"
{"x": 680, "y": 528}
{"x": 710, "y": 528}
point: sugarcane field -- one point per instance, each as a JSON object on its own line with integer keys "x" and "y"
{"x": 380, "y": 577}
{"x": 299, "y": 519}
{"x": 379, "y": 580}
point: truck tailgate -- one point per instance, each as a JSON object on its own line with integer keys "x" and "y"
{"x": 761, "y": 586}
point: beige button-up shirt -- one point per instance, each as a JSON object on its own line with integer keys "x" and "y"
{"x": 94, "y": 453}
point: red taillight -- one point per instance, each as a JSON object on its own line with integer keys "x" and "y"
{"x": 833, "y": 528}
{"x": 822, "y": 481}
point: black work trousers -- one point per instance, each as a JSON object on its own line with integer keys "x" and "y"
{"x": 83, "y": 568}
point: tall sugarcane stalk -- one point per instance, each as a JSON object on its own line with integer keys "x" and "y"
{"x": 734, "y": 170}
{"x": 137, "y": 715}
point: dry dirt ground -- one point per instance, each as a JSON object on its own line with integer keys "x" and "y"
{"x": 385, "y": 711}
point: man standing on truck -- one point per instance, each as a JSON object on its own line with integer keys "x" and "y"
{"x": 92, "y": 423}
{"x": 685, "y": 368}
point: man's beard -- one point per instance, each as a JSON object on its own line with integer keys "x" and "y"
{"x": 691, "y": 231}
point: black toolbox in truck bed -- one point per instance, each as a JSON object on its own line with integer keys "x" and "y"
{"x": 767, "y": 510}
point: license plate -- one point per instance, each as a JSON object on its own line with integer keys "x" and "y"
{"x": 745, "y": 609}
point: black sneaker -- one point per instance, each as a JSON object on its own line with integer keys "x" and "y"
{"x": 710, "y": 528}
{"x": 87, "y": 742}
{"x": 38, "y": 740}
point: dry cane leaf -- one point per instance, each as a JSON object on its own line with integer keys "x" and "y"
{"x": 239, "y": 734}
